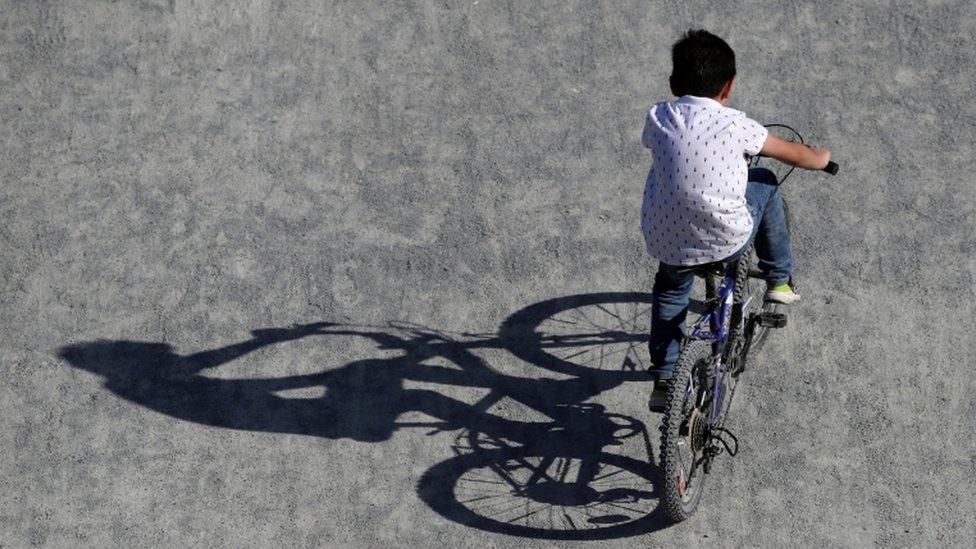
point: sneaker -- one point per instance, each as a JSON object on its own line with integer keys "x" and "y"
{"x": 659, "y": 396}
{"x": 781, "y": 294}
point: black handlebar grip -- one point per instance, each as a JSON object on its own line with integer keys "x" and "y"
{"x": 831, "y": 168}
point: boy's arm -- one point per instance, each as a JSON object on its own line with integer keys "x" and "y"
{"x": 795, "y": 154}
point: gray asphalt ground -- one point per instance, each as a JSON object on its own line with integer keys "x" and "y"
{"x": 411, "y": 184}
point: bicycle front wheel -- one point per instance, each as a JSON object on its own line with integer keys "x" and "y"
{"x": 750, "y": 292}
{"x": 683, "y": 432}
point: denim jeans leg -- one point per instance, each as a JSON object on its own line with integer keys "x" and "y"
{"x": 669, "y": 307}
{"x": 769, "y": 226}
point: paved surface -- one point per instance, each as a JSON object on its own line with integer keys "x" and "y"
{"x": 411, "y": 184}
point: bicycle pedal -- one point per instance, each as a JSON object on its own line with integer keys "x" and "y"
{"x": 771, "y": 320}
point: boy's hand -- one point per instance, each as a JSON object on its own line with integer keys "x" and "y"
{"x": 795, "y": 154}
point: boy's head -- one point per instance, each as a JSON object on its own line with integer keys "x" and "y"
{"x": 703, "y": 65}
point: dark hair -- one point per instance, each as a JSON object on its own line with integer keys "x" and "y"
{"x": 703, "y": 63}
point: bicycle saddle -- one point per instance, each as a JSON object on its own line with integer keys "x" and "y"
{"x": 717, "y": 268}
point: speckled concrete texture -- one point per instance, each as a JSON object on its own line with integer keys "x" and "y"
{"x": 343, "y": 274}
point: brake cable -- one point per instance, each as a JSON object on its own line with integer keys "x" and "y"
{"x": 800, "y": 137}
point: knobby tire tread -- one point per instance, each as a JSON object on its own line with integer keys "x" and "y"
{"x": 670, "y": 426}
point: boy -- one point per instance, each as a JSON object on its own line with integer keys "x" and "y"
{"x": 702, "y": 204}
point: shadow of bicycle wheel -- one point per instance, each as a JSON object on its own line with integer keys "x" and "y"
{"x": 530, "y": 493}
{"x": 587, "y": 335}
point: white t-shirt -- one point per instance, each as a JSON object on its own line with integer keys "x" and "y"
{"x": 694, "y": 209}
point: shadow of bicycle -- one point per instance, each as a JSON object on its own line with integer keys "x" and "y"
{"x": 541, "y": 479}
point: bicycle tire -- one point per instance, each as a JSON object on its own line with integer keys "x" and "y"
{"x": 683, "y": 480}
{"x": 749, "y": 293}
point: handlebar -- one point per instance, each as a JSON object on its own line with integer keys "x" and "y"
{"x": 831, "y": 166}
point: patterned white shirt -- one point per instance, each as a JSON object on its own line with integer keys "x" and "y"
{"x": 694, "y": 208}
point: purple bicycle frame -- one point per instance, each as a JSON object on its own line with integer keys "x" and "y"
{"x": 718, "y": 319}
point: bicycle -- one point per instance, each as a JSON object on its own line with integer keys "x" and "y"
{"x": 737, "y": 321}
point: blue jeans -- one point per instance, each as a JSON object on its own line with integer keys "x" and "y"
{"x": 672, "y": 285}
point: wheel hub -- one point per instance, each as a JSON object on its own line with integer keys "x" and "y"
{"x": 697, "y": 429}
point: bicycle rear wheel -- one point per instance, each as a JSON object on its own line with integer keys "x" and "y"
{"x": 683, "y": 432}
